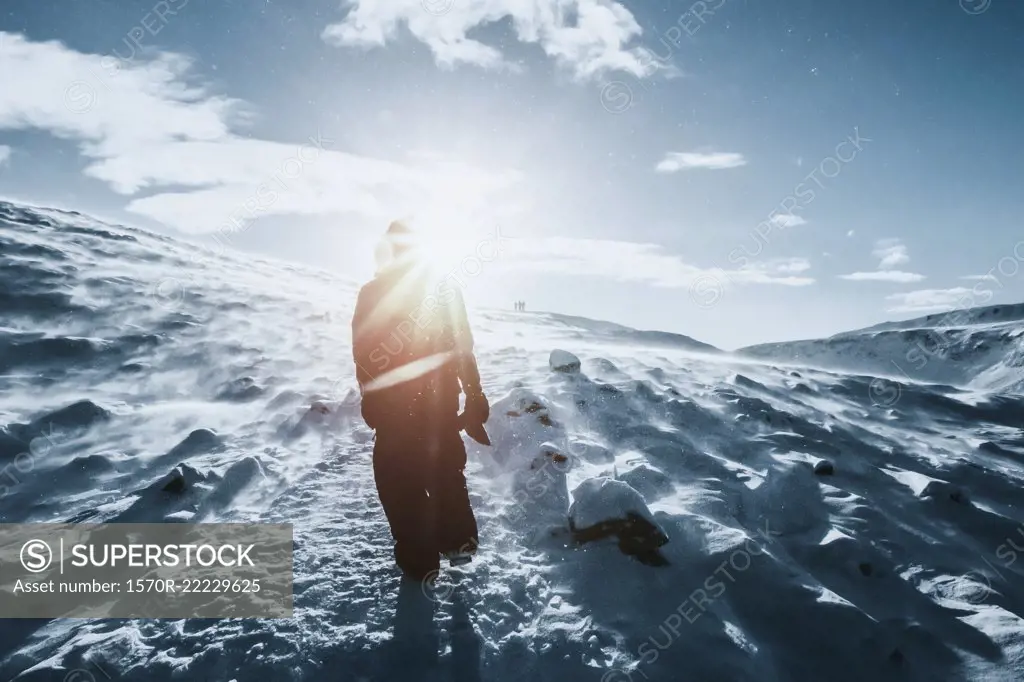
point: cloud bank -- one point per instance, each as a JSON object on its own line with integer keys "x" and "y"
{"x": 589, "y": 37}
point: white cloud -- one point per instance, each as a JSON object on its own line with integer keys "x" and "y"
{"x": 677, "y": 161}
{"x": 980, "y": 278}
{"x": 928, "y": 300}
{"x": 5, "y": 154}
{"x": 149, "y": 126}
{"x": 890, "y": 253}
{"x": 146, "y": 124}
{"x": 640, "y": 262}
{"x": 883, "y": 276}
{"x": 590, "y": 37}
{"x": 850, "y": 233}
{"x": 785, "y": 220}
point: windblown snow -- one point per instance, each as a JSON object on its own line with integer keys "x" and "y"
{"x": 820, "y": 525}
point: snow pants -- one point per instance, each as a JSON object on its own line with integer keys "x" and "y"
{"x": 421, "y": 482}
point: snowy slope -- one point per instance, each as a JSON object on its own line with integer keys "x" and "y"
{"x": 125, "y": 354}
{"x": 973, "y": 347}
{"x": 574, "y": 327}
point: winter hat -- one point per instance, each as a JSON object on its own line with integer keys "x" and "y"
{"x": 396, "y": 242}
{"x": 399, "y": 236}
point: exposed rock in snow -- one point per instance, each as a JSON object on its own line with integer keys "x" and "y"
{"x": 564, "y": 361}
{"x": 941, "y": 490}
{"x": 602, "y": 499}
{"x": 603, "y": 507}
{"x": 527, "y": 405}
{"x": 241, "y": 390}
{"x": 649, "y": 481}
{"x": 550, "y": 456}
{"x": 824, "y": 467}
{"x": 240, "y": 475}
{"x": 183, "y": 478}
{"x": 66, "y": 421}
{"x": 198, "y": 441}
{"x": 541, "y": 493}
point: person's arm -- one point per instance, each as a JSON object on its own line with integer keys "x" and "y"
{"x": 360, "y": 337}
{"x": 362, "y": 346}
{"x": 469, "y": 373}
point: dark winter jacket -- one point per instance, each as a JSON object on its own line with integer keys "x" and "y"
{"x": 413, "y": 349}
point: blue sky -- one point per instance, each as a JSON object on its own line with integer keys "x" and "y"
{"x": 737, "y": 171}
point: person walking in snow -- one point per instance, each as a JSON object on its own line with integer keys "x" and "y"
{"x": 413, "y": 351}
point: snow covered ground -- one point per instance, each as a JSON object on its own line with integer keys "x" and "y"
{"x": 821, "y": 525}
{"x": 974, "y": 347}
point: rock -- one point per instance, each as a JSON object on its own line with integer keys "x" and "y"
{"x": 541, "y": 492}
{"x": 940, "y": 490}
{"x": 650, "y": 482}
{"x": 95, "y": 464}
{"x": 990, "y": 447}
{"x": 242, "y": 389}
{"x": 239, "y": 475}
{"x": 529, "y": 406}
{"x": 175, "y": 485}
{"x": 197, "y": 442}
{"x": 601, "y": 498}
{"x": 746, "y": 382}
{"x": 180, "y": 480}
{"x": 564, "y": 361}
{"x": 550, "y": 457}
{"x": 604, "y": 507}
{"x": 823, "y": 467}
{"x": 76, "y": 417}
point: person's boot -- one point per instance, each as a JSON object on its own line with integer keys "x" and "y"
{"x": 457, "y": 557}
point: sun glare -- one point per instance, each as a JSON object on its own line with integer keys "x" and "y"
{"x": 446, "y": 236}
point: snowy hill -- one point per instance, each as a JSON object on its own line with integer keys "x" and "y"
{"x": 814, "y": 531}
{"x": 979, "y": 348}
{"x": 582, "y": 328}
